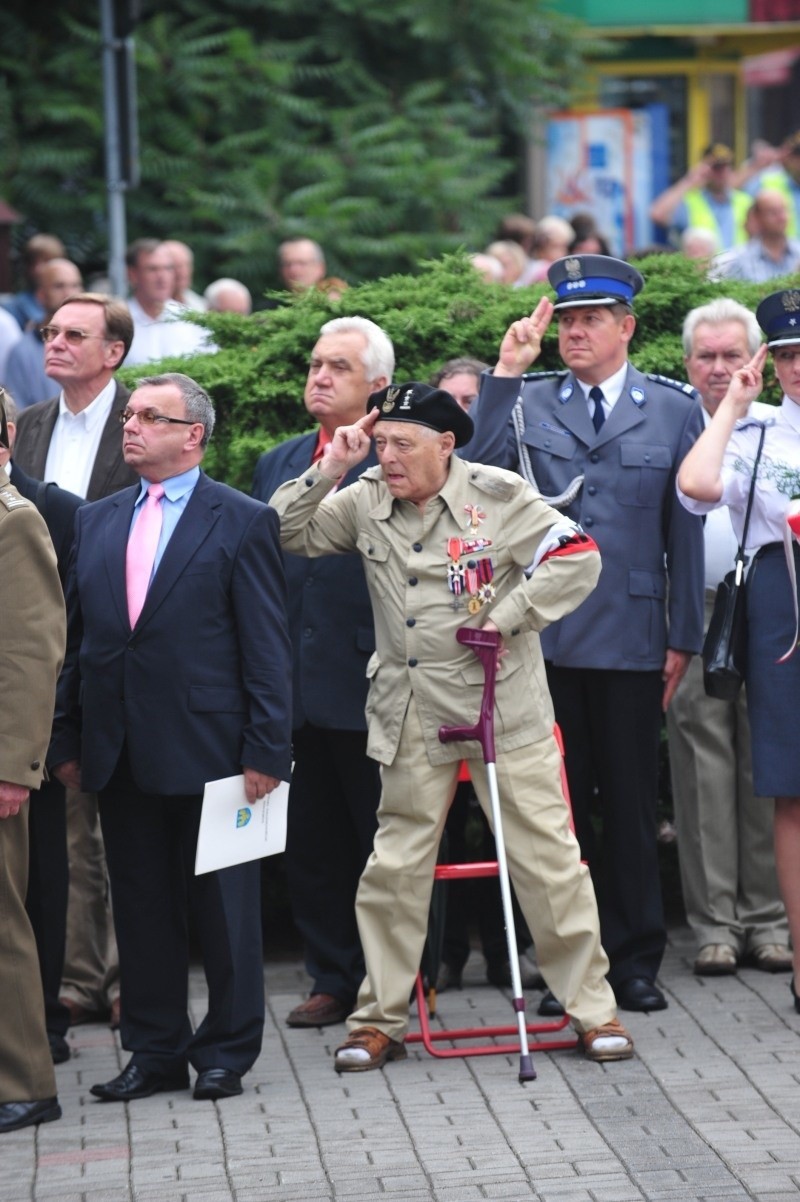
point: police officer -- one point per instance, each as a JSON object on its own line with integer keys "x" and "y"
{"x": 603, "y": 442}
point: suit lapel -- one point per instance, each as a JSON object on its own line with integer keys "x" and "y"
{"x": 115, "y": 537}
{"x": 41, "y": 434}
{"x": 109, "y": 450}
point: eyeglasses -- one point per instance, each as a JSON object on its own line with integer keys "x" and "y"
{"x": 149, "y": 417}
{"x": 72, "y": 337}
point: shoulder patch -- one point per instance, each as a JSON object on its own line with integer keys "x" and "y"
{"x": 544, "y": 375}
{"x": 678, "y": 385}
{"x": 495, "y": 483}
{"x": 10, "y": 499}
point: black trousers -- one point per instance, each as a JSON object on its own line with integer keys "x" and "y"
{"x": 48, "y": 889}
{"x": 150, "y": 845}
{"x": 332, "y": 821}
{"x": 611, "y": 723}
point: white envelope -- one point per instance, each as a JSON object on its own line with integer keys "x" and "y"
{"x": 234, "y": 830}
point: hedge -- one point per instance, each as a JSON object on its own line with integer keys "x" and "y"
{"x": 256, "y": 378}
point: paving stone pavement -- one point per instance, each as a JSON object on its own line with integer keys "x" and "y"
{"x": 708, "y": 1109}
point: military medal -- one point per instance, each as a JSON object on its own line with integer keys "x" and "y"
{"x": 455, "y": 572}
{"x": 476, "y": 578}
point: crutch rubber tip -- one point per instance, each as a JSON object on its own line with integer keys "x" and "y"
{"x": 526, "y": 1070}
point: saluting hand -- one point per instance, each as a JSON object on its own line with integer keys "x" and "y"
{"x": 522, "y": 343}
{"x": 349, "y": 446}
{"x": 747, "y": 383}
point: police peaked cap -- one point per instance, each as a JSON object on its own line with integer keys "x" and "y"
{"x": 424, "y": 406}
{"x": 593, "y": 280}
{"x": 779, "y": 317}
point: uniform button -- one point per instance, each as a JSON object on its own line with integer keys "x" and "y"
{"x": 417, "y": 547}
{"x": 595, "y": 458}
{"x": 307, "y": 633}
{"x": 472, "y": 563}
{"x": 588, "y": 521}
{"x": 36, "y": 764}
{"x": 412, "y": 580}
{"x": 647, "y": 458}
{"x": 515, "y": 630}
{"x": 309, "y": 581}
{"x": 411, "y": 621}
{"x": 592, "y": 489}
{"x": 309, "y": 482}
{"x": 547, "y": 442}
{"x": 412, "y": 663}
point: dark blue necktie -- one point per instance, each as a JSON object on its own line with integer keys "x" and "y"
{"x": 598, "y": 417}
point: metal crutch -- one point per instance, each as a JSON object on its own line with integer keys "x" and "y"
{"x": 484, "y": 644}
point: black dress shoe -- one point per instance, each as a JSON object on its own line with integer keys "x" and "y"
{"x": 550, "y": 1006}
{"x": 215, "y": 1083}
{"x": 14, "y": 1115}
{"x": 134, "y": 1082}
{"x": 637, "y": 993}
{"x": 59, "y": 1048}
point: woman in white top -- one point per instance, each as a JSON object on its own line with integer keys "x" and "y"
{"x": 718, "y": 471}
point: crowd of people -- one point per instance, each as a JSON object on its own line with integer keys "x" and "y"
{"x": 308, "y": 632}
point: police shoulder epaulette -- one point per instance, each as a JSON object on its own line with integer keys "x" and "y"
{"x": 544, "y": 375}
{"x": 678, "y": 385}
{"x": 12, "y": 500}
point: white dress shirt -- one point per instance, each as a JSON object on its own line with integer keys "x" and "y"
{"x": 75, "y": 441}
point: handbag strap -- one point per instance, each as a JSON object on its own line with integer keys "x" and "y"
{"x": 741, "y": 559}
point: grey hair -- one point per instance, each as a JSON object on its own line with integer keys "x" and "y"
{"x": 196, "y": 400}
{"x": 714, "y": 314}
{"x": 378, "y": 355}
{"x": 212, "y": 292}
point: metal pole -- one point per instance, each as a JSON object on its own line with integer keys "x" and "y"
{"x": 115, "y": 187}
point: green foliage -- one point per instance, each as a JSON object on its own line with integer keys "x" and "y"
{"x": 446, "y": 310}
{"x": 385, "y": 131}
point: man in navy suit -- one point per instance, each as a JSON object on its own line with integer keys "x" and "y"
{"x": 603, "y": 442}
{"x": 194, "y": 689}
{"x": 335, "y": 785}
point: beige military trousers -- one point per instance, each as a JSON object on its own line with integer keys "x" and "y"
{"x": 26, "y": 1067}
{"x": 553, "y": 888}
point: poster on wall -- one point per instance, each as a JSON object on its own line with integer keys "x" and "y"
{"x": 603, "y": 163}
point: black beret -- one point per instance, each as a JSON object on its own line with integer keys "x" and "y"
{"x": 593, "y": 280}
{"x": 779, "y": 317}
{"x": 425, "y": 406}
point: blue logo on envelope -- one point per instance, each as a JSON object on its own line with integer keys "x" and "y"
{"x": 243, "y": 816}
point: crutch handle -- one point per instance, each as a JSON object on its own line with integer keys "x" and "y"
{"x": 484, "y": 644}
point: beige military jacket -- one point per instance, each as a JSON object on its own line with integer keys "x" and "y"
{"x": 406, "y": 555}
{"x": 32, "y": 636}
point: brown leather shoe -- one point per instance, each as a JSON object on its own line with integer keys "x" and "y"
{"x": 367, "y": 1048}
{"x": 595, "y": 1048}
{"x": 320, "y": 1010}
{"x": 771, "y": 957}
{"x": 716, "y": 960}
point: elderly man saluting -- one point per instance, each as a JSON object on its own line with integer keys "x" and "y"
{"x": 445, "y": 543}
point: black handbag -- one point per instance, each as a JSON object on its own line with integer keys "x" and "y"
{"x": 725, "y": 645}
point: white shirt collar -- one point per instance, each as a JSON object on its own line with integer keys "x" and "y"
{"x": 96, "y": 411}
{"x": 610, "y": 388}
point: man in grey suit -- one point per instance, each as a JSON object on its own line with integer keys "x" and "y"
{"x": 75, "y": 440}
{"x": 603, "y": 442}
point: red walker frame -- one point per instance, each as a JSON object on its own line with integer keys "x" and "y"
{"x": 428, "y": 1038}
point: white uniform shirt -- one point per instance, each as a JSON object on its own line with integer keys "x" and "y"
{"x": 75, "y": 441}
{"x": 161, "y": 337}
{"x": 778, "y": 476}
